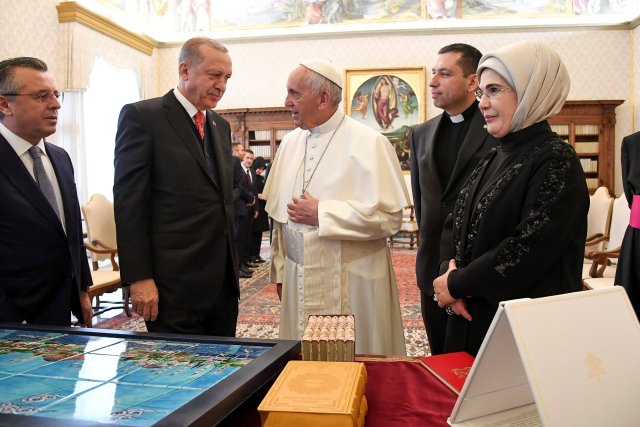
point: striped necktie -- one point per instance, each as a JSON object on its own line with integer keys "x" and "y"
{"x": 42, "y": 179}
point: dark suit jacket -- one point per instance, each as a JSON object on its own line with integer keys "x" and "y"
{"x": 242, "y": 192}
{"x": 40, "y": 265}
{"x": 261, "y": 223}
{"x": 432, "y": 202}
{"x": 253, "y": 189}
{"x": 174, "y": 218}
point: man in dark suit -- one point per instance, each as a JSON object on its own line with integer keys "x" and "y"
{"x": 261, "y": 222}
{"x": 250, "y": 174}
{"x": 444, "y": 150}
{"x": 173, "y": 200}
{"x": 44, "y": 271}
{"x": 244, "y": 200}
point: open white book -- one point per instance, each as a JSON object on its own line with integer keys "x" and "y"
{"x": 565, "y": 360}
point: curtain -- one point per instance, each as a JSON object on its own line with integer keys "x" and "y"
{"x": 79, "y": 46}
{"x": 70, "y": 135}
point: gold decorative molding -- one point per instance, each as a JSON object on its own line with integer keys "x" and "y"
{"x": 71, "y": 11}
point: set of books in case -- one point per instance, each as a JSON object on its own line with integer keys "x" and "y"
{"x": 451, "y": 368}
{"x": 317, "y": 394}
{"x": 329, "y": 338}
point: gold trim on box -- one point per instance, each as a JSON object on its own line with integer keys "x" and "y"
{"x": 71, "y": 11}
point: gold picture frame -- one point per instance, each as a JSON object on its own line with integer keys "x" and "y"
{"x": 389, "y": 100}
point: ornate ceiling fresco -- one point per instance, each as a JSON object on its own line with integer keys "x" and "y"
{"x": 175, "y": 20}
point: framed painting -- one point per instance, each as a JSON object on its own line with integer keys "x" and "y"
{"x": 389, "y": 100}
{"x": 57, "y": 376}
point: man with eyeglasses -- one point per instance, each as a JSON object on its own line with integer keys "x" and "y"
{"x": 44, "y": 270}
{"x": 444, "y": 150}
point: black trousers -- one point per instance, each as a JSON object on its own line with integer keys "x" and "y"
{"x": 219, "y": 320}
{"x": 435, "y": 322}
{"x": 243, "y": 232}
{"x": 50, "y": 305}
{"x": 256, "y": 243}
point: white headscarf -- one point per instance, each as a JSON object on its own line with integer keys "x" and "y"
{"x": 538, "y": 76}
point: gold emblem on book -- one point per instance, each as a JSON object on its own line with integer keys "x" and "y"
{"x": 461, "y": 372}
{"x": 595, "y": 368}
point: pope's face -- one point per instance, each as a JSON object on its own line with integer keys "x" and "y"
{"x": 304, "y": 105}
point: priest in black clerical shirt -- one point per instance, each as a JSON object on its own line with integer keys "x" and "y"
{"x": 444, "y": 150}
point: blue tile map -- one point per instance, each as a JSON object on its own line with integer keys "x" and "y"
{"x": 122, "y": 381}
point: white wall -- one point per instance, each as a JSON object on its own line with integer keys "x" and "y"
{"x": 30, "y": 31}
{"x": 635, "y": 57}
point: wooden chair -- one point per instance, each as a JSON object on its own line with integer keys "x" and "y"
{"x": 408, "y": 234}
{"x": 598, "y": 219}
{"x": 602, "y": 270}
{"x": 101, "y": 234}
{"x": 598, "y": 223}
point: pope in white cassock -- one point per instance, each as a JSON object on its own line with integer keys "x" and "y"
{"x": 335, "y": 192}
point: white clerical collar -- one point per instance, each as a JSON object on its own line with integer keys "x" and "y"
{"x": 330, "y": 125}
{"x": 458, "y": 118}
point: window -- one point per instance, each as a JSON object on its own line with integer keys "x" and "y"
{"x": 109, "y": 90}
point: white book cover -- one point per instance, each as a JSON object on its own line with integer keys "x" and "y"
{"x": 565, "y": 360}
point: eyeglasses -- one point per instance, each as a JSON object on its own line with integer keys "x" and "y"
{"x": 41, "y": 97}
{"x": 492, "y": 92}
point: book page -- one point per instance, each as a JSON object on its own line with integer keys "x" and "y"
{"x": 524, "y": 416}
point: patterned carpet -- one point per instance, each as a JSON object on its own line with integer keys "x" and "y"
{"x": 260, "y": 309}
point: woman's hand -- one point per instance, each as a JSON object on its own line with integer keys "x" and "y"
{"x": 444, "y": 298}
{"x": 459, "y": 307}
{"x": 441, "y": 288}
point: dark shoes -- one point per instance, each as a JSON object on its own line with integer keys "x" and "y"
{"x": 247, "y": 268}
{"x": 244, "y": 272}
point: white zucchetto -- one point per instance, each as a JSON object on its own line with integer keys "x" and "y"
{"x": 323, "y": 68}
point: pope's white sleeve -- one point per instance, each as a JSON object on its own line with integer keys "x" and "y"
{"x": 344, "y": 220}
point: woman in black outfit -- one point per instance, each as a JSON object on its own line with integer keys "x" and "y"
{"x": 519, "y": 225}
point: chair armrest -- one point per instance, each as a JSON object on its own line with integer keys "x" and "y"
{"x": 596, "y": 238}
{"x": 94, "y": 248}
{"x": 98, "y": 244}
{"x": 111, "y": 251}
